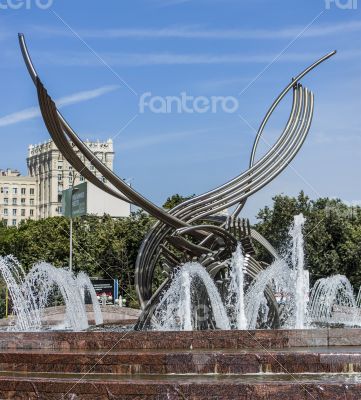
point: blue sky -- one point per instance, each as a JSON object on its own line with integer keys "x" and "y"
{"x": 98, "y": 58}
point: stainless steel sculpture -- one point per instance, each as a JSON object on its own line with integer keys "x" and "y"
{"x": 193, "y": 230}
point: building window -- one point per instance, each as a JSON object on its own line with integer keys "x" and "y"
{"x": 32, "y": 191}
{"x": 60, "y": 177}
{"x": 5, "y": 190}
{"x": 15, "y": 190}
{"x": 60, "y": 197}
{"x": 6, "y": 200}
{"x": 15, "y": 201}
{"x": 70, "y": 179}
{"x": 23, "y": 213}
{"x": 59, "y": 210}
{"x": 6, "y": 211}
{"x": 23, "y": 201}
{"x": 60, "y": 167}
{"x": 14, "y": 212}
{"x": 31, "y": 213}
{"x": 23, "y": 191}
{"x": 14, "y": 222}
{"x": 82, "y": 179}
{"x": 5, "y": 222}
{"x": 32, "y": 202}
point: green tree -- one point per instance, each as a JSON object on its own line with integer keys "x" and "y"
{"x": 174, "y": 200}
{"x": 102, "y": 247}
{"x": 332, "y": 234}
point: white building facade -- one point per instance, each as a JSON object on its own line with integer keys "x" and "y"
{"x": 18, "y": 196}
{"x": 39, "y": 195}
{"x": 53, "y": 173}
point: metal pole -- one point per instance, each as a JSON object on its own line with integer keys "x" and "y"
{"x": 71, "y": 231}
{"x": 71, "y": 228}
{"x": 71, "y": 245}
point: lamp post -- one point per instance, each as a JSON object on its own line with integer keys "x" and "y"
{"x": 129, "y": 182}
{"x": 73, "y": 190}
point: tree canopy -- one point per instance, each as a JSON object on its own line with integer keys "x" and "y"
{"x": 107, "y": 247}
{"x": 102, "y": 247}
{"x": 332, "y": 233}
{"x": 175, "y": 200}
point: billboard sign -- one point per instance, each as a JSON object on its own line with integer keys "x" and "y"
{"x": 106, "y": 287}
{"x": 74, "y": 201}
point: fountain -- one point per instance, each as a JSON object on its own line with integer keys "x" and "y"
{"x": 195, "y": 231}
{"x": 235, "y": 298}
{"x": 277, "y": 275}
{"x": 333, "y": 302}
{"x": 30, "y": 294}
{"x": 24, "y": 302}
{"x": 332, "y": 299}
{"x": 299, "y": 273}
{"x": 43, "y": 277}
{"x": 213, "y": 282}
{"x": 84, "y": 283}
{"x": 179, "y": 310}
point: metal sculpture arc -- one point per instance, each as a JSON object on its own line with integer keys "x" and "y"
{"x": 193, "y": 230}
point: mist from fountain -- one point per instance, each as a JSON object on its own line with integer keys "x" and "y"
{"x": 174, "y": 311}
{"x": 274, "y": 275}
{"x": 333, "y": 302}
{"x": 299, "y": 274}
{"x": 85, "y": 285}
{"x": 235, "y": 299}
{"x": 44, "y": 277}
{"x": 24, "y": 303}
{"x": 30, "y": 294}
{"x": 332, "y": 299}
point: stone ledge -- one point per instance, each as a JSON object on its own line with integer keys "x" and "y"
{"x": 210, "y": 389}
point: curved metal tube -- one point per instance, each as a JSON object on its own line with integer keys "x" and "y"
{"x": 156, "y": 238}
{"x": 278, "y": 166}
{"x": 129, "y": 192}
{"x": 265, "y": 243}
{"x": 270, "y": 112}
{"x": 213, "y": 242}
{"x": 150, "y": 265}
{"x": 281, "y": 96}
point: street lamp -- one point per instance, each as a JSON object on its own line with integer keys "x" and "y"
{"x": 129, "y": 182}
{"x": 73, "y": 190}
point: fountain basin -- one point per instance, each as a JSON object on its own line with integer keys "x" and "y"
{"x": 169, "y": 365}
{"x": 54, "y": 316}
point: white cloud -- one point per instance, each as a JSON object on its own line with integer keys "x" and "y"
{"x": 85, "y": 95}
{"x": 34, "y": 112}
{"x": 149, "y": 59}
{"x": 196, "y": 32}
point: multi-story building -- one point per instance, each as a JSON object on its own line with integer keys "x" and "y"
{"x": 18, "y": 196}
{"x": 53, "y": 174}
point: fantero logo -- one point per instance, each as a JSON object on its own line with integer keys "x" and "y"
{"x": 341, "y": 4}
{"x": 25, "y": 4}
